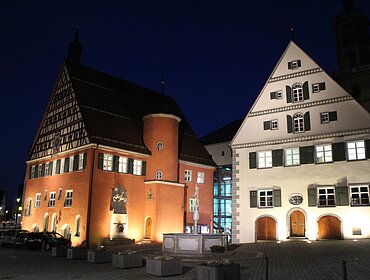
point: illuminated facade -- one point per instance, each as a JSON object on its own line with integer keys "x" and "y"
{"x": 112, "y": 159}
{"x": 301, "y": 158}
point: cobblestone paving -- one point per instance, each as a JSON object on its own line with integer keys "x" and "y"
{"x": 287, "y": 260}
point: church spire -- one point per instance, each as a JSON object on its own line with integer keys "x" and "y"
{"x": 75, "y": 48}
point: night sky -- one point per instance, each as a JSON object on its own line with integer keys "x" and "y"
{"x": 215, "y": 56}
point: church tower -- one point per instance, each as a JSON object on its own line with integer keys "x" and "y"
{"x": 353, "y": 51}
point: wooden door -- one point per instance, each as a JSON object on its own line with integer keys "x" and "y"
{"x": 329, "y": 228}
{"x": 297, "y": 224}
{"x": 266, "y": 229}
{"x": 148, "y": 228}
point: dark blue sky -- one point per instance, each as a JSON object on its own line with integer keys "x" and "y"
{"x": 215, "y": 55}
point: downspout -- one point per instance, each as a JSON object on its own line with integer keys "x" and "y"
{"x": 90, "y": 198}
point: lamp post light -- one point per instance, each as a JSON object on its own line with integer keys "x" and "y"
{"x": 17, "y": 208}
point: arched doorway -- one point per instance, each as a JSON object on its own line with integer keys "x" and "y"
{"x": 266, "y": 228}
{"x": 148, "y": 228}
{"x": 297, "y": 224}
{"x": 329, "y": 227}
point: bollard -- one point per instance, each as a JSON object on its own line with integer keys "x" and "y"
{"x": 344, "y": 267}
{"x": 267, "y": 267}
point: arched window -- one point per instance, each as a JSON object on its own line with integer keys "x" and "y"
{"x": 78, "y": 225}
{"x": 66, "y": 231}
{"x": 35, "y": 228}
{"x": 297, "y": 93}
{"x": 28, "y": 207}
{"x": 159, "y": 175}
{"x": 298, "y": 122}
{"x": 54, "y": 222}
{"x": 46, "y": 222}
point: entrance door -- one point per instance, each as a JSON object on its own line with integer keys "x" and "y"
{"x": 266, "y": 229}
{"x": 148, "y": 228}
{"x": 297, "y": 224}
{"x": 329, "y": 227}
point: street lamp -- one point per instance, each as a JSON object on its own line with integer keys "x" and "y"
{"x": 16, "y": 212}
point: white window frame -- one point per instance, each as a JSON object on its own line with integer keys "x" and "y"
{"x": 265, "y": 198}
{"x": 52, "y": 197}
{"x": 291, "y": 156}
{"x": 46, "y": 171}
{"x": 264, "y": 159}
{"x": 326, "y": 195}
{"x": 200, "y": 178}
{"x": 159, "y": 175}
{"x": 323, "y": 153}
{"x": 315, "y": 87}
{"x": 298, "y": 123}
{"x": 294, "y": 64}
{"x": 356, "y": 150}
{"x": 274, "y": 125}
{"x": 187, "y": 175}
{"x": 108, "y": 162}
{"x": 324, "y": 117}
{"x": 62, "y": 162}
{"x": 160, "y": 146}
{"x": 122, "y": 164}
{"x": 359, "y": 194}
{"x": 81, "y": 158}
{"x": 39, "y": 171}
{"x": 37, "y": 200}
{"x": 137, "y": 167}
{"x": 32, "y": 172}
{"x": 54, "y": 167}
{"x": 68, "y": 199}
{"x": 71, "y": 161}
{"x": 27, "y": 211}
{"x": 193, "y": 204}
{"x": 297, "y": 93}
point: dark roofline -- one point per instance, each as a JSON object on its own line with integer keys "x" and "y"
{"x": 223, "y": 134}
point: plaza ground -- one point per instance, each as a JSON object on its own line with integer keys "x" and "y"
{"x": 286, "y": 260}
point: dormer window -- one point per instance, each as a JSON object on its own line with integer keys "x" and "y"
{"x": 294, "y": 64}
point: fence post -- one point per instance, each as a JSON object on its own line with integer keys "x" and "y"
{"x": 344, "y": 269}
{"x": 267, "y": 267}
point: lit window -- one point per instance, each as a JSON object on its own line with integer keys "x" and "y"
{"x": 38, "y": 200}
{"x": 81, "y": 160}
{"x": 200, "y": 178}
{"x": 356, "y": 150}
{"x": 28, "y": 207}
{"x": 62, "y": 166}
{"x": 264, "y": 159}
{"x": 71, "y": 162}
{"x": 68, "y": 199}
{"x": 193, "y": 204}
{"x": 187, "y": 176}
{"x": 47, "y": 169}
{"x": 323, "y": 153}
{"x": 326, "y": 196}
{"x": 265, "y": 198}
{"x": 297, "y": 93}
{"x": 360, "y": 195}
{"x": 107, "y": 162}
{"x": 52, "y": 199}
{"x": 159, "y": 146}
{"x": 298, "y": 122}
{"x": 122, "y": 164}
{"x": 32, "y": 171}
{"x": 159, "y": 175}
{"x": 39, "y": 171}
{"x": 137, "y": 167}
{"x": 291, "y": 156}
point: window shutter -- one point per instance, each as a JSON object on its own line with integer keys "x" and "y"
{"x": 143, "y": 168}
{"x": 58, "y": 167}
{"x": 277, "y": 157}
{"x": 333, "y": 116}
{"x": 322, "y": 86}
{"x": 306, "y": 154}
{"x": 43, "y": 170}
{"x": 84, "y": 161}
{"x": 267, "y": 125}
{"x": 66, "y": 165}
{"x": 299, "y": 63}
{"x": 273, "y": 95}
{"x": 307, "y": 122}
{"x": 290, "y": 64}
{"x": 277, "y": 198}
{"x": 50, "y": 168}
{"x": 306, "y": 93}
{"x": 75, "y": 162}
{"x": 341, "y": 195}
{"x": 288, "y": 94}
{"x": 367, "y": 147}
{"x": 130, "y": 165}
{"x": 253, "y": 199}
{"x": 312, "y": 196}
{"x": 252, "y": 160}
{"x": 100, "y": 160}
{"x": 115, "y": 163}
{"x": 289, "y": 120}
{"x": 339, "y": 152}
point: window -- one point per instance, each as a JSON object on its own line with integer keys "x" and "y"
{"x": 356, "y": 150}
{"x": 296, "y": 199}
{"x": 294, "y": 64}
{"x": 32, "y": 171}
{"x": 54, "y": 168}
{"x": 62, "y": 170}
{"x": 107, "y": 162}
{"x": 317, "y": 87}
{"x": 68, "y": 199}
{"x": 327, "y": 117}
{"x": 71, "y": 163}
{"x": 137, "y": 167}
{"x": 323, "y": 153}
{"x": 52, "y": 199}
{"x": 38, "y": 200}
{"x": 298, "y": 122}
{"x": 200, "y": 178}
{"x": 291, "y": 156}
{"x": 187, "y": 176}
{"x": 78, "y": 224}
{"x": 264, "y": 159}
{"x": 159, "y": 146}
{"x": 274, "y": 124}
{"x": 270, "y": 125}
{"x": 360, "y": 195}
{"x": 276, "y": 94}
{"x": 81, "y": 161}
{"x": 122, "y": 164}
{"x": 265, "y": 198}
{"x": 326, "y": 196}
{"x": 39, "y": 171}
{"x": 47, "y": 169}
{"x": 193, "y": 204}
{"x": 297, "y": 93}
{"x": 46, "y": 222}
{"x": 28, "y": 207}
{"x": 159, "y": 175}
